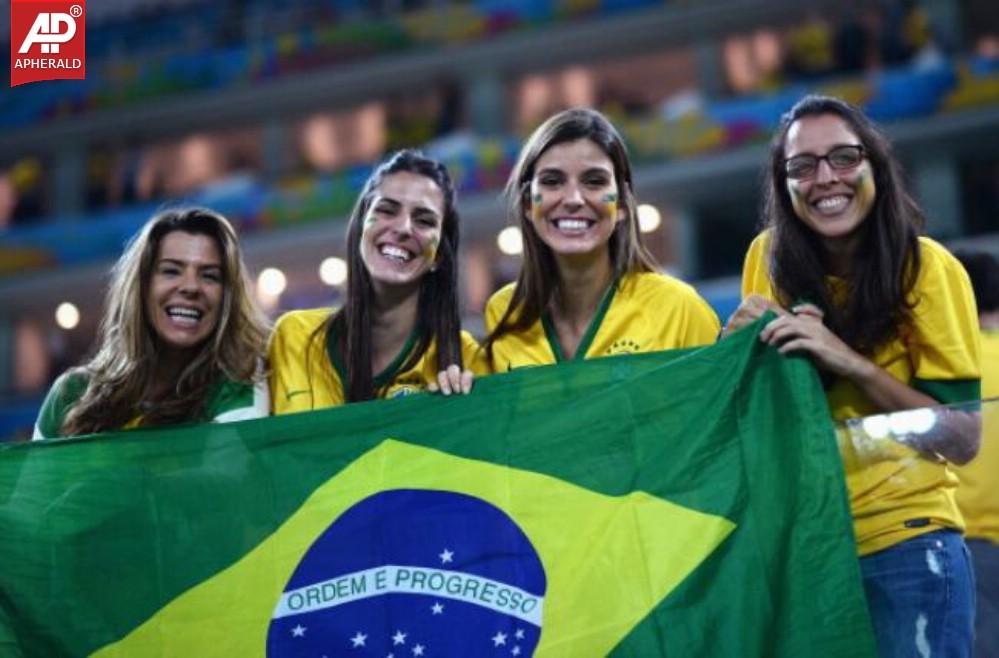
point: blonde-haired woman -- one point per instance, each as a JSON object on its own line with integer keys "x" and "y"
{"x": 182, "y": 338}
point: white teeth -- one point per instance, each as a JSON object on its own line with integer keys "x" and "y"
{"x": 181, "y": 312}
{"x": 571, "y": 224}
{"x": 832, "y": 202}
{"x": 396, "y": 253}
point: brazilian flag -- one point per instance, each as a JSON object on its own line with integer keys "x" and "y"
{"x": 677, "y": 504}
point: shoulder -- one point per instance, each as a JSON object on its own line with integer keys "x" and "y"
{"x": 935, "y": 259}
{"x": 301, "y": 321}
{"x": 756, "y": 266}
{"x": 293, "y": 330}
{"x": 66, "y": 391}
{"x": 498, "y": 303}
{"x": 646, "y": 286}
{"x": 233, "y": 400}
{"x": 940, "y": 273}
{"x": 472, "y": 354}
{"x": 758, "y": 253}
{"x": 501, "y": 298}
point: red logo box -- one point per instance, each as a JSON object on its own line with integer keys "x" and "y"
{"x": 48, "y": 41}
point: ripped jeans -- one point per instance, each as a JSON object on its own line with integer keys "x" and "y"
{"x": 921, "y": 595}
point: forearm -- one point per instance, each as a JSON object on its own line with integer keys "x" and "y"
{"x": 887, "y": 393}
{"x": 955, "y": 435}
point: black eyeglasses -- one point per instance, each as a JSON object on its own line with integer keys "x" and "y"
{"x": 840, "y": 158}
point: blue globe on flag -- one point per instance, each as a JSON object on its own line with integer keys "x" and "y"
{"x": 411, "y": 573}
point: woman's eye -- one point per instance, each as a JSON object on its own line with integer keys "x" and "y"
{"x": 550, "y": 181}
{"x": 214, "y": 277}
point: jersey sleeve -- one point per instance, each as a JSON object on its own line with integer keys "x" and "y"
{"x": 702, "y": 323}
{"x": 65, "y": 393}
{"x": 944, "y": 344}
{"x": 496, "y": 306}
{"x": 473, "y": 356}
{"x": 286, "y": 358}
{"x": 756, "y": 269}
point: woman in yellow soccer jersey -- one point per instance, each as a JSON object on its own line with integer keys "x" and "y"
{"x": 977, "y": 493}
{"x": 588, "y": 287}
{"x": 181, "y": 340}
{"x": 889, "y": 318}
{"x": 399, "y": 330}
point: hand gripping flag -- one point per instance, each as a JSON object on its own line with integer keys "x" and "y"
{"x": 685, "y": 503}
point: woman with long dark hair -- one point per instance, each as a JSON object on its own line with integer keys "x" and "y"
{"x": 889, "y": 318}
{"x": 399, "y": 330}
{"x": 182, "y": 339}
{"x": 587, "y": 287}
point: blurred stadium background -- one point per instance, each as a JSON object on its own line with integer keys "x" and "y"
{"x": 274, "y": 111}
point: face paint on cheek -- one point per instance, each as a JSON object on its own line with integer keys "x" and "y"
{"x": 866, "y": 191}
{"x": 430, "y": 249}
{"x": 536, "y": 206}
{"x": 611, "y": 200}
{"x": 798, "y": 200}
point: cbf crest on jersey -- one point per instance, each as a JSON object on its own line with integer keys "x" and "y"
{"x": 413, "y": 573}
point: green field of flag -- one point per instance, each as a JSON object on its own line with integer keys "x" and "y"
{"x": 685, "y": 503}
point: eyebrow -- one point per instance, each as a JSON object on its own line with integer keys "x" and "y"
{"x": 418, "y": 209}
{"x": 831, "y": 149}
{"x": 177, "y": 261}
{"x": 589, "y": 170}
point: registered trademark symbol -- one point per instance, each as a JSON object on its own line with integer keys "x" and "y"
{"x": 76, "y": 11}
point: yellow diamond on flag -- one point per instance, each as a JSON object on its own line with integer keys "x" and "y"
{"x": 608, "y": 560}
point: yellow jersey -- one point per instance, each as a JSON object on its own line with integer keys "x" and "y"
{"x": 642, "y": 312}
{"x": 307, "y": 371}
{"x": 897, "y": 494}
{"x": 977, "y": 493}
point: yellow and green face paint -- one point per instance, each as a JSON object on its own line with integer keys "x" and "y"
{"x": 430, "y": 250}
{"x": 866, "y": 190}
{"x": 536, "y": 206}
{"x": 611, "y": 199}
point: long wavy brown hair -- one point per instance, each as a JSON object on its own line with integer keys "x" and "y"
{"x": 538, "y": 280}
{"x": 122, "y": 371}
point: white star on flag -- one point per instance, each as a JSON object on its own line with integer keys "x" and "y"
{"x": 516, "y": 651}
{"x": 298, "y": 631}
{"x": 437, "y": 609}
{"x": 499, "y": 638}
{"x": 519, "y": 634}
{"x": 418, "y": 650}
{"x": 359, "y": 639}
{"x": 446, "y": 556}
{"x": 399, "y": 638}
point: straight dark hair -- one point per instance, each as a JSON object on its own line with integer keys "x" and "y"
{"x": 538, "y": 278}
{"x": 883, "y": 270}
{"x": 437, "y": 310}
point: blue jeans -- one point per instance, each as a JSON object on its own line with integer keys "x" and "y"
{"x": 985, "y": 556}
{"x": 921, "y": 594}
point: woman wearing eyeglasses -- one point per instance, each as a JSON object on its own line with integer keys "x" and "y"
{"x": 888, "y": 317}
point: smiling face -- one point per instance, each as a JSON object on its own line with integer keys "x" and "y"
{"x": 574, "y": 198}
{"x": 402, "y": 230}
{"x": 832, "y": 202}
{"x": 185, "y": 290}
